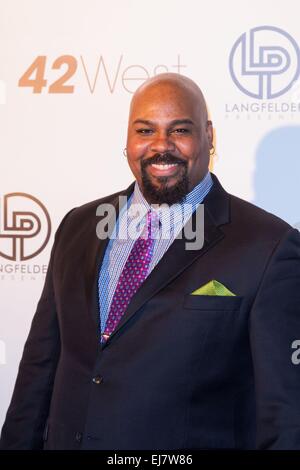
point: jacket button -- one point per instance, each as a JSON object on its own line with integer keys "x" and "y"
{"x": 78, "y": 437}
{"x": 97, "y": 380}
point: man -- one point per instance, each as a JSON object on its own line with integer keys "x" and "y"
{"x": 145, "y": 344}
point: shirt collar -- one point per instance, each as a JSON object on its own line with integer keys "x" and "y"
{"x": 180, "y": 211}
{"x": 194, "y": 197}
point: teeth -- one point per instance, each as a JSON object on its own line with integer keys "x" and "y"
{"x": 162, "y": 166}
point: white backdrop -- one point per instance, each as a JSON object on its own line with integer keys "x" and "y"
{"x": 61, "y": 141}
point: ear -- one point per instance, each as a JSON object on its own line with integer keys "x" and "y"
{"x": 210, "y": 133}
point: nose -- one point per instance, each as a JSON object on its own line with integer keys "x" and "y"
{"x": 162, "y": 143}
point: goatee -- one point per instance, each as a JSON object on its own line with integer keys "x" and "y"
{"x": 164, "y": 193}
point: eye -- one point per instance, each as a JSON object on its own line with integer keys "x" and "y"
{"x": 144, "y": 131}
{"x": 181, "y": 130}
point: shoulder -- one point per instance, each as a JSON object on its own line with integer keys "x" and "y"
{"x": 84, "y": 216}
{"x": 255, "y": 220}
{"x": 241, "y": 217}
{"x": 91, "y": 207}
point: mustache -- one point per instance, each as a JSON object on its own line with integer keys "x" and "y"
{"x": 166, "y": 158}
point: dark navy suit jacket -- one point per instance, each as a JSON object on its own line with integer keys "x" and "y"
{"x": 180, "y": 371}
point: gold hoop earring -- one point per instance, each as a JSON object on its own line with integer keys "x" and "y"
{"x": 212, "y": 153}
{"x": 125, "y": 152}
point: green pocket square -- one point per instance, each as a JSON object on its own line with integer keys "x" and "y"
{"x": 213, "y": 288}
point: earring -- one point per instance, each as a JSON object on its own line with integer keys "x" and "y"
{"x": 212, "y": 153}
{"x": 125, "y": 152}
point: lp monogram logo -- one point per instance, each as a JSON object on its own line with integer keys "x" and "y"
{"x": 25, "y": 227}
{"x": 265, "y": 62}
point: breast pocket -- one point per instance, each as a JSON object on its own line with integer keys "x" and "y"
{"x": 211, "y": 302}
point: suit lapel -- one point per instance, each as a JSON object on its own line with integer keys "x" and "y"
{"x": 94, "y": 258}
{"x": 177, "y": 258}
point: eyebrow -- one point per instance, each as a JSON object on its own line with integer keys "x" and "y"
{"x": 175, "y": 122}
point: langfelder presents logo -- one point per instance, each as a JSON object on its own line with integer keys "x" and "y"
{"x": 264, "y": 64}
{"x": 25, "y": 229}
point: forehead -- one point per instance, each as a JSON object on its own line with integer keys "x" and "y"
{"x": 164, "y": 101}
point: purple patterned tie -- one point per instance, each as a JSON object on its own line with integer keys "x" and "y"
{"x": 133, "y": 275}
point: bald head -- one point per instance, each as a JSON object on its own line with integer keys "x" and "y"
{"x": 169, "y": 137}
{"x": 183, "y": 86}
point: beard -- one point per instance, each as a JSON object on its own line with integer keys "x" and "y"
{"x": 164, "y": 193}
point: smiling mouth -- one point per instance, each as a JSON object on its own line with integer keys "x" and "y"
{"x": 163, "y": 169}
{"x": 163, "y": 166}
